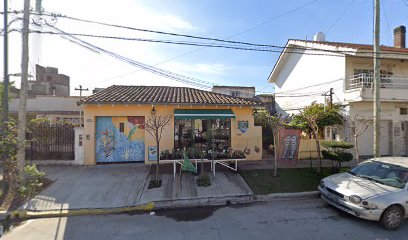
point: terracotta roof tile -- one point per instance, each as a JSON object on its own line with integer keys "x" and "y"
{"x": 164, "y": 95}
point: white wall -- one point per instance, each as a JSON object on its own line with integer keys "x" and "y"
{"x": 300, "y": 71}
{"x": 48, "y": 103}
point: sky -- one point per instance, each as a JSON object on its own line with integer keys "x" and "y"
{"x": 257, "y": 21}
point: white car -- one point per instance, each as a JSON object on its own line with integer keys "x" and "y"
{"x": 376, "y": 189}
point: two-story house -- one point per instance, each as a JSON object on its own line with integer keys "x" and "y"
{"x": 307, "y": 70}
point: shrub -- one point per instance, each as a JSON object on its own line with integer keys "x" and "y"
{"x": 35, "y": 180}
{"x": 203, "y": 180}
{"x": 337, "y": 145}
{"x": 336, "y": 151}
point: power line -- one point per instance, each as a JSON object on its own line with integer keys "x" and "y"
{"x": 314, "y": 85}
{"x": 164, "y": 73}
{"x": 341, "y": 16}
{"x": 335, "y": 53}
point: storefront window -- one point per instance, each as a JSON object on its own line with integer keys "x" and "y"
{"x": 201, "y": 133}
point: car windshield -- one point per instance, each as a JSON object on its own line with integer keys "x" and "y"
{"x": 384, "y": 173}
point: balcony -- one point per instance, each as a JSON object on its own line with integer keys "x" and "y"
{"x": 392, "y": 88}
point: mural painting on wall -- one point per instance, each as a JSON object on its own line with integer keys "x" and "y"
{"x": 120, "y": 139}
{"x": 152, "y": 156}
{"x": 243, "y": 126}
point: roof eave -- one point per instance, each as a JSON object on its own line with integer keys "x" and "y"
{"x": 160, "y": 103}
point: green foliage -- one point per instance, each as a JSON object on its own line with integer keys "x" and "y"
{"x": 337, "y": 156}
{"x": 194, "y": 153}
{"x": 35, "y": 181}
{"x": 337, "y": 145}
{"x": 8, "y": 141}
{"x": 336, "y": 151}
{"x": 261, "y": 119}
{"x": 298, "y": 122}
{"x": 203, "y": 180}
{"x": 317, "y": 113}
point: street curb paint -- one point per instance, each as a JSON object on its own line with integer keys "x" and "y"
{"x": 292, "y": 195}
{"x": 25, "y": 214}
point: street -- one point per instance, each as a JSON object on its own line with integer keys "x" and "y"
{"x": 283, "y": 219}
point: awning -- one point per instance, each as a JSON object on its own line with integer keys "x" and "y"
{"x": 203, "y": 114}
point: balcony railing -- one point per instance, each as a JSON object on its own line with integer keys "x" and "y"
{"x": 364, "y": 80}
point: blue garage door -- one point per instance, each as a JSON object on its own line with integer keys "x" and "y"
{"x": 120, "y": 139}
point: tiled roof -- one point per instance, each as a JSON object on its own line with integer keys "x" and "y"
{"x": 162, "y": 94}
{"x": 356, "y": 46}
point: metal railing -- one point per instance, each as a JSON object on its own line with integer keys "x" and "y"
{"x": 364, "y": 80}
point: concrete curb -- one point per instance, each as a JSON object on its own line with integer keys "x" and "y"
{"x": 292, "y": 195}
{"x": 159, "y": 205}
{"x": 26, "y": 214}
{"x": 202, "y": 202}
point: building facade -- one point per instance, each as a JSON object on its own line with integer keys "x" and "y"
{"x": 235, "y": 91}
{"x": 115, "y": 120}
{"x": 50, "y": 107}
{"x": 49, "y": 82}
{"x": 317, "y": 66}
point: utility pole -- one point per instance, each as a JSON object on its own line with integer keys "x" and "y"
{"x": 331, "y": 98}
{"x": 377, "y": 79}
{"x": 22, "y": 117}
{"x": 5, "y": 71}
{"x": 80, "y": 89}
{"x": 330, "y": 95}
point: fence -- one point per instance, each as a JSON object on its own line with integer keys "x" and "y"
{"x": 51, "y": 142}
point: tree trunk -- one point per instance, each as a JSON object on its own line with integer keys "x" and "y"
{"x": 158, "y": 161}
{"x": 357, "y": 152}
{"x": 275, "y": 169}
{"x": 318, "y": 152}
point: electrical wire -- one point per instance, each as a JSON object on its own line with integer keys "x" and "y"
{"x": 340, "y": 16}
{"x": 191, "y": 36}
{"x": 164, "y": 73}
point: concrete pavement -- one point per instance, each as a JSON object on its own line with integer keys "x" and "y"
{"x": 292, "y": 220}
{"x": 123, "y": 185}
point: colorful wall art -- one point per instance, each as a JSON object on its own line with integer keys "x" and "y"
{"x": 120, "y": 139}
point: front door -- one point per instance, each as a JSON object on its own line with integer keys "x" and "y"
{"x": 120, "y": 139}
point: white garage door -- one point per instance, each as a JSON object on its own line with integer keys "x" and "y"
{"x": 366, "y": 140}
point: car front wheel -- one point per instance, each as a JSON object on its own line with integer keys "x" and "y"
{"x": 392, "y": 218}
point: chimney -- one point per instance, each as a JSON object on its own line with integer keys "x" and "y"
{"x": 319, "y": 37}
{"x": 399, "y": 37}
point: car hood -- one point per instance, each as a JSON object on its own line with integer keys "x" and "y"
{"x": 348, "y": 185}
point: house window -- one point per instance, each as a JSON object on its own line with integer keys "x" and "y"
{"x": 403, "y": 111}
{"x": 201, "y": 133}
{"x": 235, "y": 93}
{"x": 122, "y": 127}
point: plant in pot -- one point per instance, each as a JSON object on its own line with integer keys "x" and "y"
{"x": 203, "y": 179}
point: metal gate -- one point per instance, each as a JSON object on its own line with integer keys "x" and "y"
{"x": 51, "y": 142}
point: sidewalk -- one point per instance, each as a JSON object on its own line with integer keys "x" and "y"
{"x": 269, "y": 164}
{"x": 125, "y": 185}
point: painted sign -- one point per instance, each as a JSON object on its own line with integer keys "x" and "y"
{"x": 243, "y": 126}
{"x": 152, "y": 153}
{"x": 289, "y": 140}
{"x": 120, "y": 139}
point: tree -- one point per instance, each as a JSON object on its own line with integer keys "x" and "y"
{"x": 154, "y": 126}
{"x": 261, "y": 119}
{"x": 8, "y": 149}
{"x": 275, "y": 122}
{"x": 358, "y": 125}
{"x": 317, "y": 117}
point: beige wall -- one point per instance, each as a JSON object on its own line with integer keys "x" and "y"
{"x": 250, "y": 139}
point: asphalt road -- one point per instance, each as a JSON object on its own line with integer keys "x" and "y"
{"x": 289, "y": 219}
